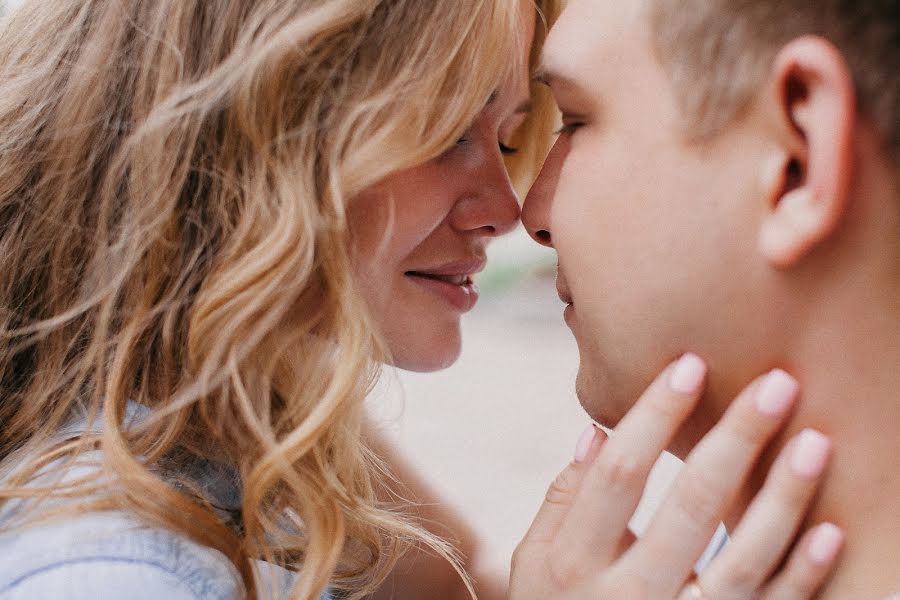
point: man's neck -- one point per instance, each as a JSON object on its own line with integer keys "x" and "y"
{"x": 851, "y": 392}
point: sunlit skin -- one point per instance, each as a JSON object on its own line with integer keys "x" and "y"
{"x": 644, "y": 224}
{"x": 435, "y": 221}
{"x": 773, "y": 244}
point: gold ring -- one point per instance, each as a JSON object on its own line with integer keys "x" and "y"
{"x": 693, "y": 591}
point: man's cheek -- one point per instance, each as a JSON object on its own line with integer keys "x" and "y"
{"x": 571, "y": 221}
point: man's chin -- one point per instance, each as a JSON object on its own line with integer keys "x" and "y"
{"x": 607, "y": 404}
{"x": 593, "y": 394}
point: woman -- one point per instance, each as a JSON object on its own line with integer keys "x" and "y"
{"x": 215, "y": 218}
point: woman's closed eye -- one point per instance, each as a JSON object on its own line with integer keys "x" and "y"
{"x": 507, "y": 150}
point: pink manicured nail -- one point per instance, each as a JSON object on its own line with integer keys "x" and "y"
{"x": 688, "y": 374}
{"x": 584, "y": 443}
{"x": 810, "y": 453}
{"x": 776, "y": 393}
{"x": 825, "y": 544}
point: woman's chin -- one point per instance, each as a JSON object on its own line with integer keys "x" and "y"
{"x": 427, "y": 357}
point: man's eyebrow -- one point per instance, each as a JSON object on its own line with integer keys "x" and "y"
{"x": 542, "y": 75}
{"x": 550, "y": 77}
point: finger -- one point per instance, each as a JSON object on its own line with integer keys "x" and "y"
{"x": 809, "y": 566}
{"x": 772, "y": 520}
{"x": 594, "y": 526}
{"x": 713, "y": 473}
{"x": 561, "y": 493}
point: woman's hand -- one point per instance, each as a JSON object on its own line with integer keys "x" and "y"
{"x": 579, "y": 545}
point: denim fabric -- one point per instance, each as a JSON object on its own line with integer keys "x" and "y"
{"x": 110, "y": 555}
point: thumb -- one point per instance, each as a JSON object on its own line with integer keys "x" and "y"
{"x": 564, "y": 488}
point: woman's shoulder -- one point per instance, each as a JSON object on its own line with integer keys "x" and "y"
{"x": 111, "y": 555}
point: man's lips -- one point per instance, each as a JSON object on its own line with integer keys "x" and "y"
{"x": 562, "y": 288}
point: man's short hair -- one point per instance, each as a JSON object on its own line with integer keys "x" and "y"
{"x": 718, "y": 53}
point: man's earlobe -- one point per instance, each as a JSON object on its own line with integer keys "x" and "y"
{"x": 807, "y": 181}
{"x": 792, "y": 229}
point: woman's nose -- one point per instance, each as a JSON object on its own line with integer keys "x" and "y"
{"x": 492, "y": 208}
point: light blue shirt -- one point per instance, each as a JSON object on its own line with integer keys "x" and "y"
{"x": 111, "y": 555}
{"x": 108, "y": 555}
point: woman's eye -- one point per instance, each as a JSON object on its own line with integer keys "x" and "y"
{"x": 460, "y": 143}
{"x": 506, "y": 150}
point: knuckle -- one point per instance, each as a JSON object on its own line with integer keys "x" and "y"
{"x": 518, "y": 556}
{"x": 788, "y": 493}
{"x": 744, "y": 432}
{"x": 665, "y": 409}
{"x": 747, "y": 424}
{"x": 619, "y": 472}
{"x": 633, "y": 586}
{"x": 563, "y": 487}
{"x": 785, "y": 497}
{"x": 526, "y": 556}
{"x": 792, "y": 586}
{"x": 802, "y": 577}
{"x": 740, "y": 579}
{"x": 702, "y": 497}
{"x": 565, "y": 570}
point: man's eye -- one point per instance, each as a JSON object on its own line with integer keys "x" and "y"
{"x": 506, "y": 150}
{"x": 569, "y": 128}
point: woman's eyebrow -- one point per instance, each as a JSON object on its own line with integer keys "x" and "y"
{"x": 525, "y": 106}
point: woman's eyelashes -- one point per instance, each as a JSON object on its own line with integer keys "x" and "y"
{"x": 504, "y": 149}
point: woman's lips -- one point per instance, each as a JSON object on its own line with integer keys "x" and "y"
{"x": 459, "y": 291}
{"x": 452, "y": 281}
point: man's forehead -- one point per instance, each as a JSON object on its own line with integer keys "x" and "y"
{"x": 556, "y": 77}
{"x": 557, "y": 68}
{"x": 588, "y": 34}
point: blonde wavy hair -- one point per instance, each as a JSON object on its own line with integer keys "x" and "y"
{"x": 174, "y": 178}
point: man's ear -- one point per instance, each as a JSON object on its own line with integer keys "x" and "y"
{"x": 807, "y": 179}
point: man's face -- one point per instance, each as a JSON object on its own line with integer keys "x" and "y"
{"x": 656, "y": 237}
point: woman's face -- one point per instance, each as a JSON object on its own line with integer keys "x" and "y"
{"x": 420, "y": 234}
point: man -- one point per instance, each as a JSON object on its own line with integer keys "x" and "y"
{"x": 726, "y": 183}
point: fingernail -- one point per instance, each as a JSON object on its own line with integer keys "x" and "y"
{"x": 776, "y": 393}
{"x": 688, "y": 374}
{"x": 584, "y": 443}
{"x": 810, "y": 453}
{"x": 825, "y": 544}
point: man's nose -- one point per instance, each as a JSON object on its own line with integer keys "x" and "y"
{"x": 536, "y": 209}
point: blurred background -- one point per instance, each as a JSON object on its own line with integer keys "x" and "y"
{"x": 490, "y": 433}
